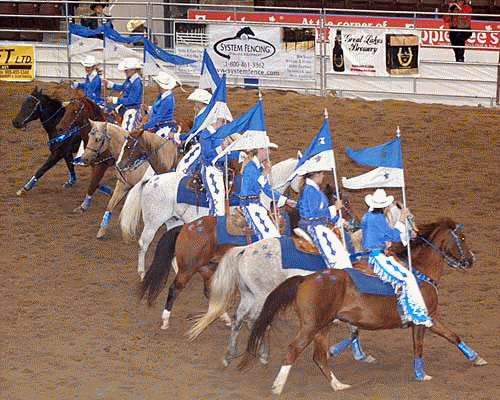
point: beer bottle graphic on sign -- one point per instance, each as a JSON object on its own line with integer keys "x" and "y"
{"x": 338, "y": 53}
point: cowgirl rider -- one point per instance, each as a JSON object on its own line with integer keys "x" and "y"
{"x": 162, "y": 112}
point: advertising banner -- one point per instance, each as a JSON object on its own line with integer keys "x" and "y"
{"x": 17, "y": 63}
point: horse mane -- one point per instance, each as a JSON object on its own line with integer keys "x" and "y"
{"x": 44, "y": 97}
{"x": 95, "y": 108}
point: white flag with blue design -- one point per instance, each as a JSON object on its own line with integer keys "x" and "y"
{"x": 113, "y": 47}
{"x": 209, "y": 78}
{"x": 84, "y": 40}
{"x": 319, "y": 154}
{"x": 153, "y": 54}
{"x": 377, "y": 178}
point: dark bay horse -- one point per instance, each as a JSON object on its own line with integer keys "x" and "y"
{"x": 76, "y": 122}
{"x": 49, "y": 111}
{"x": 324, "y": 296}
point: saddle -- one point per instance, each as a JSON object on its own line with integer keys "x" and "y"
{"x": 304, "y": 243}
{"x": 195, "y": 182}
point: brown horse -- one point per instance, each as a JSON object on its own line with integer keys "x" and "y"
{"x": 324, "y": 296}
{"x": 76, "y": 121}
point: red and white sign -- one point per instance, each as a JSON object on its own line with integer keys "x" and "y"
{"x": 434, "y": 32}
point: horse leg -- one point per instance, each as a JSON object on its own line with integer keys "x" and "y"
{"x": 52, "y": 160}
{"x": 98, "y": 171}
{"x": 144, "y": 241}
{"x": 206, "y": 272}
{"x": 440, "y": 329}
{"x": 71, "y": 167}
{"x": 179, "y": 283}
{"x": 418, "y": 349}
{"x": 118, "y": 194}
{"x": 320, "y": 357}
{"x": 352, "y": 340}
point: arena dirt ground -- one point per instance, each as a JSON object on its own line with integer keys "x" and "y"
{"x": 72, "y": 327}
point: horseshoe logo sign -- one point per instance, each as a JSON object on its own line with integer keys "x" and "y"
{"x": 405, "y": 58}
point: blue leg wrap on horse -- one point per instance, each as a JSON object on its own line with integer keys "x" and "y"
{"x": 337, "y": 349}
{"x": 469, "y": 353}
{"x": 105, "y": 219}
{"x": 86, "y": 203}
{"x": 105, "y": 189}
{"x": 419, "y": 369}
{"x": 72, "y": 179}
{"x": 357, "y": 351}
{"x": 30, "y": 184}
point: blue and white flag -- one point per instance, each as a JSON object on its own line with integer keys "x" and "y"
{"x": 252, "y": 128}
{"x": 83, "y": 40}
{"x": 385, "y": 155}
{"x": 377, "y": 178}
{"x": 319, "y": 154}
{"x": 113, "y": 47}
{"x": 217, "y": 108}
{"x": 209, "y": 78}
{"x": 153, "y": 53}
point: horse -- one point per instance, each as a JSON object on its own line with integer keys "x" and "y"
{"x": 76, "y": 121}
{"x": 106, "y": 136}
{"x": 242, "y": 268}
{"x": 324, "y": 296}
{"x": 162, "y": 190}
{"x": 49, "y": 111}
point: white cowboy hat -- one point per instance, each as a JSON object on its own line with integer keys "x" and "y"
{"x": 134, "y": 24}
{"x": 89, "y": 61}
{"x": 200, "y": 95}
{"x": 378, "y": 199}
{"x": 165, "y": 80}
{"x": 129, "y": 63}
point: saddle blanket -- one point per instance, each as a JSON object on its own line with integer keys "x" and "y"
{"x": 224, "y": 238}
{"x": 187, "y": 196}
{"x": 293, "y": 258}
{"x": 370, "y": 284}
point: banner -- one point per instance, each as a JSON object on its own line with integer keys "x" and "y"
{"x": 17, "y": 63}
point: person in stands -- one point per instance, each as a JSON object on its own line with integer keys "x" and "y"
{"x": 130, "y": 103}
{"x": 460, "y": 29}
{"x": 256, "y": 168}
{"x": 97, "y": 18}
{"x": 376, "y": 231}
{"x": 92, "y": 84}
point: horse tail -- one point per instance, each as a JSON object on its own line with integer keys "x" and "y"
{"x": 131, "y": 212}
{"x": 222, "y": 286}
{"x": 279, "y": 299}
{"x": 157, "y": 275}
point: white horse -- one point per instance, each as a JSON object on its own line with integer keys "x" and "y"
{"x": 112, "y": 137}
{"x": 156, "y": 199}
{"x": 256, "y": 270}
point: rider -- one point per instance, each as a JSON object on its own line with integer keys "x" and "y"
{"x": 255, "y": 169}
{"x": 92, "y": 83}
{"x": 315, "y": 215}
{"x": 376, "y": 231}
{"x": 132, "y": 93}
{"x": 162, "y": 112}
{"x": 213, "y": 175}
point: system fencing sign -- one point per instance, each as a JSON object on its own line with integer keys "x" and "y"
{"x": 17, "y": 63}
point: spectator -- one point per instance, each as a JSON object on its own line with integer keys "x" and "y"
{"x": 459, "y": 27}
{"x": 68, "y": 8}
{"x": 97, "y": 18}
{"x": 137, "y": 27}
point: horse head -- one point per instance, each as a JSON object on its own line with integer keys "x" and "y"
{"x": 133, "y": 152}
{"x": 30, "y": 110}
{"x": 98, "y": 141}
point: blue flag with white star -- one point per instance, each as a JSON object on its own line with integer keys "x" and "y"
{"x": 385, "y": 155}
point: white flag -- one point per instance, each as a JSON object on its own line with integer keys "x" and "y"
{"x": 114, "y": 49}
{"x": 379, "y": 177}
{"x": 82, "y": 44}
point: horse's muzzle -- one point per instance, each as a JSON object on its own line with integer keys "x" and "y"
{"x": 18, "y": 124}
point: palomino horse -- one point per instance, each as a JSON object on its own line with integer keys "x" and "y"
{"x": 105, "y": 136}
{"x": 242, "y": 268}
{"x": 49, "y": 111}
{"x": 324, "y": 296}
{"x": 76, "y": 121}
{"x": 156, "y": 200}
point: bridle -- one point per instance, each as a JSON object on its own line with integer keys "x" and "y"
{"x": 73, "y": 130}
{"x": 134, "y": 164}
{"x": 449, "y": 260}
{"x": 105, "y": 138}
{"x": 38, "y": 108}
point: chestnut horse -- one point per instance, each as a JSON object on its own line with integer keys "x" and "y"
{"x": 324, "y": 296}
{"x": 76, "y": 121}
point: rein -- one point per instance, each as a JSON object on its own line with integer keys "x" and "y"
{"x": 105, "y": 138}
{"x": 452, "y": 262}
{"x": 138, "y": 161}
{"x": 38, "y": 106}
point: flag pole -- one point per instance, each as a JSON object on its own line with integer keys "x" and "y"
{"x": 275, "y": 212}
{"x": 334, "y": 170}
{"x": 403, "y": 189}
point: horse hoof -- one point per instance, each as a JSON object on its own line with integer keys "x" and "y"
{"x": 480, "y": 361}
{"x": 225, "y": 363}
{"x": 369, "y": 359}
{"x": 68, "y": 185}
{"x": 425, "y": 378}
{"x": 340, "y": 386}
{"x": 101, "y": 233}
{"x": 164, "y": 326}
{"x": 79, "y": 210}
{"x": 264, "y": 360}
{"x": 21, "y": 192}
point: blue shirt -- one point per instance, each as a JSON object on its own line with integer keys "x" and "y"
{"x": 376, "y": 231}
{"x": 210, "y": 146}
{"x": 313, "y": 203}
{"x": 92, "y": 87}
{"x": 253, "y": 183}
{"x": 132, "y": 91}
{"x": 163, "y": 111}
